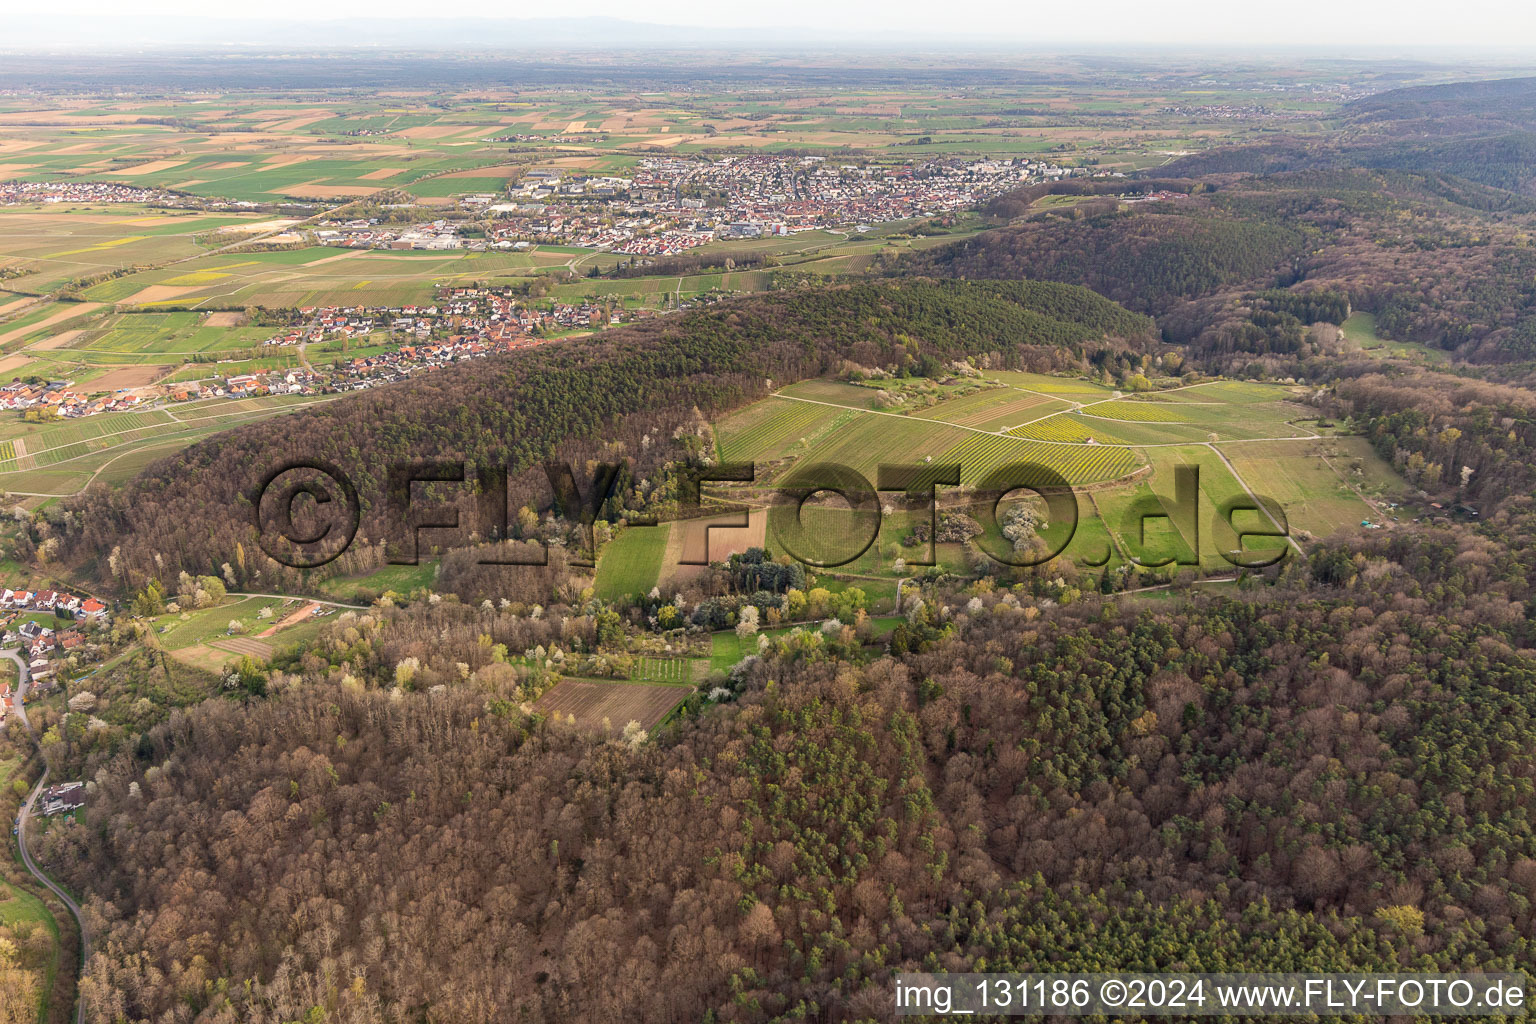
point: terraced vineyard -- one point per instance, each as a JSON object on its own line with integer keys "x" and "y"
{"x": 1137, "y": 412}
{"x": 768, "y": 429}
{"x": 981, "y": 454}
{"x": 992, "y": 409}
{"x": 1069, "y": 430}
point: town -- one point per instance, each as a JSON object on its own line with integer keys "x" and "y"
{"x": 668, "y": 205}
{"x": 15, "y": 193}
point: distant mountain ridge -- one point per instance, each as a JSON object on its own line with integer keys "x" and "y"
{"x": 1508, "y": 103}
{"x": 1483, "y": 132}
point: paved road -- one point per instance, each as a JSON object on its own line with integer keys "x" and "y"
{"x": 24, "y": 681}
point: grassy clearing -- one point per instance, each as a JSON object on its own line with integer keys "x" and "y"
{"x": 631, "y": 563}
{"x": 1318, "y": 483}
{"x": 402, "y": 579}
{"x": 1360, "y": 328}
{"x": 207, "y": 624}
{"x": 1164, "y": 537}
{"x": 727, "y": 649}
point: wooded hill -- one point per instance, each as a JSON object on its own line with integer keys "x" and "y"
{"x": 1483, "y": 132}
{"x": 642, "y": 394}
{"x": 1437, "y": 259}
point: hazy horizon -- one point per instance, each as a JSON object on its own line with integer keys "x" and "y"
{"x": 1314, "y": 26}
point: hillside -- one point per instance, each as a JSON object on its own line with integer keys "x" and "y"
{"x": 507, "y": 723}
{"x": 637, "y": 393}
{"x": 1477, "y": 131}
{"x": 1508, "y": 103}
{"x": 1148, "y": 259}
{"x": 1439, "y": 260}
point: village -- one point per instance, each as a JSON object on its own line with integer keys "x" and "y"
{"x": 48, "y": 193}
{"x": 463, "y": 322}
{"x": 15, "y": 193}
{"x": 399, "y": 341}
{"x": 38, "y": 643}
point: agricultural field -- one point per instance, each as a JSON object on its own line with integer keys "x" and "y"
{"x": 156, "y": 337}
{"x": 595, "y": 704}
{"x": 319, "y": 275}
{"x": 980, "y": 455}
{"x": 775, "y": 429}
{"x": 177, "y": 630}
{"x": 1244, "y": 437}
{"x": 273, "y": 147}
{"x": 692, "y": 542}
{"x": 64, "y": 456}
{"x": 48, "y": 247}
{"x": 202, "y": 638}
{"x": 1068, "y": 389}
{"x": 1329, "y": 485}
{"x": 999, "y": 408}
{"x": 833, "y": 392}
{"x": 1186, "y": 531}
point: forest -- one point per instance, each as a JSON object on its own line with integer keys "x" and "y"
{"x": 1479, "y": 132}
{"x": 1438, "y": 260}
{"x": 1328, "y": 771}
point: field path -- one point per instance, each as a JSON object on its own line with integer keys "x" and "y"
{"x": 298, "y": 597}
{"x": 1262, "y": 507}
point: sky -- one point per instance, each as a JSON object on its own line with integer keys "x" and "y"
{"x": 1335, "y": 25}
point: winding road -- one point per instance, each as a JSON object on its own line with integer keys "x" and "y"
{"x": 24, "y": 679}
